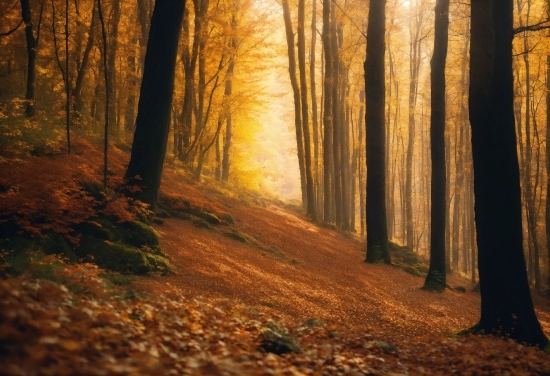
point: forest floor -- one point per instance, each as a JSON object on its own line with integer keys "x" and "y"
{"x": 280, "y": 283}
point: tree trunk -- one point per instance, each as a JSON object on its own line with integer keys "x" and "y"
{"x": 314, "y": 115}
{"x": 414, "y": 68}
{"x": 547, "y": 216}
{"x": 377, "y": 231}
{"x": 436, "y": 278}
{"x": 78, "y": 105}
{"x": 155, "y": 101}
{"x": 297, "y": 99}
{"x": 32, "y": 45}
{"x": 311, "y": 208}
{"x": 506, "y": 304}
{"x": 111, "y": 60}
{"x": 328, "y": 165}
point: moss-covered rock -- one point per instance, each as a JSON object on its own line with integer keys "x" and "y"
{"x": 113, "y": 256}
{"x": 137, "y": 234}
{"x": 207, "y": 216}
{"x": 236, "y": 236}
{"x": 278, "y": 341}
{"x": 227, "y": 219}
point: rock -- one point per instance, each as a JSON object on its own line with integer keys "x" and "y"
{"x": 277, "y": 341}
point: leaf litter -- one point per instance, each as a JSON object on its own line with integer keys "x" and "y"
{"x": 227, "y": 298}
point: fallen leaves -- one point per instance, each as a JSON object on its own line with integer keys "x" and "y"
{"x": 47, "y": 329}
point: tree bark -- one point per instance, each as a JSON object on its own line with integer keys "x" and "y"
{"x": 377, "y": 231}
{"x": 310, "y": 188}
{"x": 297, "y": 101}
{"x": 78, "y": 104}
{"x": 155, "y": 101}
{"x": 436, "y": 278}
{"x": 314, "y": 115}
{"x": 506, "y": 303}
{"x": 32, "y": 45}
{"x": 111, "y": 60}
{"x": 328, "y": 163}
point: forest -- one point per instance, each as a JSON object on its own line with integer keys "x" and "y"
{"x": 290, "y": 187}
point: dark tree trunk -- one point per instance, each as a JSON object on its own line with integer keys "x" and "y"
{"x": 436, "y": 278}
{"x": 414, "y": 68}
{"x": 83, "y": 69}
{"x": 336, "y": 123}
{"x": 506, "y": 304}
{"x": 547, "y": 217}
{"x": 362, "y": 187}
{"x": 314, "y": 116}
{"x": 111, "y": 61}
{"x": 155, "y": 101}
{"x": 328, "y": 123}
{"x": 297, "y": 100}
{"x": 228, "y": 93}
{"x": 311, "y": 209}
{"x": 377, "y": 230}
{"x": 32, "y": 45}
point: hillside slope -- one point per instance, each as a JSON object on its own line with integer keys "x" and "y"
{"x": 246, "y": 270}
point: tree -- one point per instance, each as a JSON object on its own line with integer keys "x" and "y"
{"x": 506, "y": 303}
{"x": 155, "y": 100}
{"x": 436, "y": 278}
{"x": 377, "y": 230}
{"x": 32, "y": 46}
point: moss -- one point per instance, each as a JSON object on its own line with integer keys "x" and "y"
{"x": 18, "y": 252}
{"x": 411, "y": 270}
{"x": 118, "y": 279}
{"x": 434, "y": 282}
{"x": 385, "y": 346}
{"x": 99, "y": 228}
{"x": 227, "y": 219}
{"x": 201, "y": 223}
{"x": 159, "y": 263}
{"x": 278, "y": 341}
{"x": 94, "y": 189}
{"x": 181, "y": 215}
{"x": 58, "y": 245}
{"x": 236, "y": 236}
{"x": 209, "y": 217}
{"x": 137, "y": 234}
{"x": 15, "y": 255}
{"x": 313, "y": 322}
{"x": 117, "y": 257}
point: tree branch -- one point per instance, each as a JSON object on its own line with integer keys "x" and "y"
{"x": 536, "y": 27}
{"x": 12, "y": 30}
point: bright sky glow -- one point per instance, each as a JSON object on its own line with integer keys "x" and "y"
{"x": 406, "y": 3}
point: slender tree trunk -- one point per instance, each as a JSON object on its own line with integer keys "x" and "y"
{"x": 155, "y": 101}
{"x": 362, "y": 186}
{"x": 328, "y": 166}
{"x": 506, "y": 304}
{"x": 111, "y": 60}
{"x": 413, "y": 91}
{"x": 311, "y": 209}
{"x": 228, "y": 117}
{"x": 297, "y": 99}
{"x": 32, "y": 46}
{"x": 377, "y": 231}
{"x": 436, "y": 279}
{"x": 314, "y": 115}
{"x": 547, "y": 215}
{"x": 78, "y": 104}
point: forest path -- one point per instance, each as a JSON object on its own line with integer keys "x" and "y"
{"x": 298, "y": 270}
